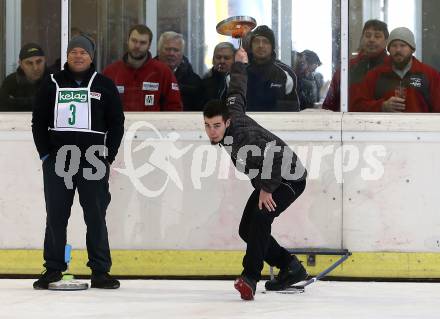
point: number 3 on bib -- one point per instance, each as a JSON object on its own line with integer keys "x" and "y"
{"x": 72, "y": 118}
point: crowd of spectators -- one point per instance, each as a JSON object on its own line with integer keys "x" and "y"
{"x": 384, "y": 76}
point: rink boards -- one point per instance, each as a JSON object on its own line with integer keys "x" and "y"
{"x": 177, "y": 201}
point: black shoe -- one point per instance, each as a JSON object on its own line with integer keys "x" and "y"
{"x": 246, "y": 286}
{"x": 103, "y": 280}
{"x": 50, "y": 275}
{"x": 287, "y": 277}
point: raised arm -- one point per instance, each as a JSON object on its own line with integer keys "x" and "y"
{"x": 236, "y": 100}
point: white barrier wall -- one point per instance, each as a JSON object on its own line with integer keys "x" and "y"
{"x": 388, "y": 200}
{"x": 400, "y": 211}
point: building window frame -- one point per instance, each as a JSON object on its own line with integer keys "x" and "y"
{"x": 12, "y": 35}
{"x": 2, "y": 39}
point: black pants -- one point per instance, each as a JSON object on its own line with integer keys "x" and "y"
{"x": 94, "y": 198}
{"x": 255, "y": 230}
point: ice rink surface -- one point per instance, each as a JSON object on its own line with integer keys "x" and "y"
{"x": 163, "y": 299}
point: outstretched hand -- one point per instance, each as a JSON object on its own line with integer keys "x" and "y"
{"x": 266, "y": 200}
{"x": 241, "y": 56}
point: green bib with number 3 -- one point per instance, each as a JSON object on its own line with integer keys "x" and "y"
{"x": 73, "y": 108}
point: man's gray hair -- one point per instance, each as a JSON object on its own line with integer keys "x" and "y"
{"x": 225, "y": 45}
{"x": 170, "y": 35}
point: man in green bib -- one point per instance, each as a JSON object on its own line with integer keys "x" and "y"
{"x": 77, "y": 125}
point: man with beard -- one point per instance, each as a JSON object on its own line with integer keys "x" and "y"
{"x": 144, "y": 83}
{"x": 404, "y": 84}
{"x": 215, "y": 82}
{"x": 372, "y": 53}
{"x": 272, "y": 85}
{"x": 277, "y": 175}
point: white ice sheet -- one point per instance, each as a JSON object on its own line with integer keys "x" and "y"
{"x": 163, "y": 299}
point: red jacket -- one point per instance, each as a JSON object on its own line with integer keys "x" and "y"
{"x": 152, "y": 87}
{"x": 422, "y": 84}
{"x": 358, "y": 68}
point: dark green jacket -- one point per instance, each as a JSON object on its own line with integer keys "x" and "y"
{"x": 17, "y": 93}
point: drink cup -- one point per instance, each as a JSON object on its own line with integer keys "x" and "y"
{"x": 400, "y": 91}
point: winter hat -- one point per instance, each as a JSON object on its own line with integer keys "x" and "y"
{"x": 83, "y": 42}
{"x": 29, "y": 50}
{"x": 402, "y": 34}
{"x": 311, "y": 57}
{"x": 264, "y": 31}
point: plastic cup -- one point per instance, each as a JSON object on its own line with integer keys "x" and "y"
{"x": 400, "y": 92}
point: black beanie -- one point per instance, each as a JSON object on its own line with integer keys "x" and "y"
{"x": 264, "y": 31}
{"x": 311, "y": 57}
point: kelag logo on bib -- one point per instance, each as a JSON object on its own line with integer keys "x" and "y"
{"x": 73, "y": 109}
{"x": 73, "y": 96}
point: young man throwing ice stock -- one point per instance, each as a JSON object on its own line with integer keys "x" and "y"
{"x": 275, "y": 172}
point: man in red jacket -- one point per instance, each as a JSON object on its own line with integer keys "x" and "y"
{"x": 372, "y": 53}
{"x": 144, "y": 84}
{"x": 404, "y": 84}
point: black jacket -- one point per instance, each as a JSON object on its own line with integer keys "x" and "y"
{"x": 268, "y": 85}
{"x": 190, "y": 86}
{"x": 292, "y": 102}
{"x": 244, "y": 135}
{"x": 106, "y": 116}
{"x": 309, "y": 88}
{"x": 214, "y": 85}
{"x": 17, "y": 93}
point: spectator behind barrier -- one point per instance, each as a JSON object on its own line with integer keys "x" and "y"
{"x": 271, "y": 84}
{"x": 144, "y": 84}
{"x": 402, "y": 84}
{"x": 309, "y": 82}
{"x": 216, "y": 81}
{"x": 171, "y": 46}
{"x": 372, "y": 53}
{"x": 19, "y": 88}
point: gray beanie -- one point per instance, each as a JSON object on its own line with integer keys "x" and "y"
{"x": 402, "y": 34}
{"x": 83, "y": 42}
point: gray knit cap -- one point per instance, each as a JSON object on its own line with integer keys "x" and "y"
{"x": 402, "y": 34}
{"x": 83, "y": 42}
